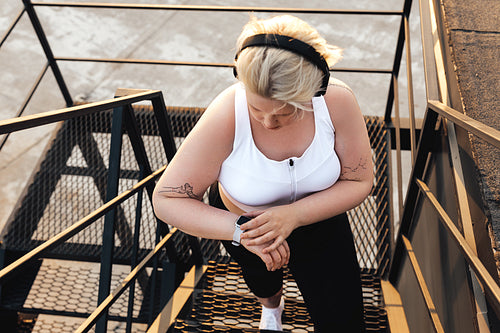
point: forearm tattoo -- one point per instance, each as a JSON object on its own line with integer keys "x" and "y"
{"x": 185, "y": 189}
{"x": 351, "y": 173}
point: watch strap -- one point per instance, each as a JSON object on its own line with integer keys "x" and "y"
{"x": 237, "y": 231}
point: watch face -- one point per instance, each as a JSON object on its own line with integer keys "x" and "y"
{"x": 243, "y": 220}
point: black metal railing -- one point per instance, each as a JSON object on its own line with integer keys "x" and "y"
{"x": 123, "y": 118}
{"x": 403, "y": 44}
{"x": 437, "y": 111}
{"x": 441, "y": 121}
{"x": 53, "y": 60}
{"x": 403, "y": 39}
{"x": 418, "y": 187}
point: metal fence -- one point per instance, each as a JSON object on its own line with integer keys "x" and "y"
{"x": 425, "y": 204}
{"x": 90, "y": 132}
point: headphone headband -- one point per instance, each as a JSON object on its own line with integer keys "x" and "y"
{"x": 293, "y": 45}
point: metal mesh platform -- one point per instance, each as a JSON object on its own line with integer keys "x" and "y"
{"x": 59, "y": 324}
{"x": 71, "y": 288}
{"x": 223, "y": 303}
{"x": 71, "y": 182}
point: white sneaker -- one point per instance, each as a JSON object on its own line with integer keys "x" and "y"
{"x": 271, "y": 317}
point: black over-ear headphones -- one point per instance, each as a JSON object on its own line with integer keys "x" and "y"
{"x": 292, "y": 45}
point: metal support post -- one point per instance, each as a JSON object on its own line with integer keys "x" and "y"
{"x": 164, "y": 127}
{"x": 108, "y": 237}
{"x": 397, "y": 59}
{"x": 48, "y": 52}
{"x": 152, "y": 290}
{"x": 423, "y": 150}
{"x": 168, "y": 282}
{"x": 135, "y": 252}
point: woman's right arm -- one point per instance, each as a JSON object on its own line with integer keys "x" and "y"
{"x": 177, "y": 198}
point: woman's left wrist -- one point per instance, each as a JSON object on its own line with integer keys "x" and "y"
{"x": 297, "y": 216}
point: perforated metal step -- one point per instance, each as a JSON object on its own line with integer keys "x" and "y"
{"x": 60, "y": 324}
{"x": 69, "y": 288}
{"x": 223, "y": 303}
{"x": 69, "y": 184}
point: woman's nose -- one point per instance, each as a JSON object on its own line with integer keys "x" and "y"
{"x": 270, "y": 121}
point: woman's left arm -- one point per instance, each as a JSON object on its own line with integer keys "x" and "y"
{"x": 353, "y": 186}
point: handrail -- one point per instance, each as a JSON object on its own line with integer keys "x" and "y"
{"x": 112, "y": 297}
{"x": 491, "y": 287}
{"x": 80, "y": 225}
{"x": 438, "y": 88}
{"x": 424, "y": 290}
{"x": 121, "y": 105}
{"x": 485, "y": 132}
{"x": 409, "y": 78}
{"x": 12, "y": 26}
{"x": 44, "y": 118}
{"x": 203, "y": 64}
{"x": 216, "y": 8}
{"x": 392, "y": 104}
{"x": 206, "y": 8}
{"x": 29, "y": 5}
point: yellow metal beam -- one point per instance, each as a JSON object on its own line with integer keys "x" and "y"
{"x": 394, "y": 308}
{"x": 170, "y": 312}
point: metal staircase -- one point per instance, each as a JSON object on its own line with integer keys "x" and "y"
{"x": 82, "y": 250}
{"x": 72, "y": 179}
{"x": 221, "y": 302}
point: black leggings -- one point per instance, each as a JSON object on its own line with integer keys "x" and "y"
{"x": 323, "y": 262}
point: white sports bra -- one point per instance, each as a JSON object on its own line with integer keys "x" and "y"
{"x": 254, "y": 181}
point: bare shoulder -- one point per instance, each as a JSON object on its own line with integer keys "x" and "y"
{"x": 352, "y": 143}
{"x": 338, "y": 86}
{"x": 219, "y": 115}
{"x": 341, "y": 101}
{"x": 197, "y": 163}
{"x": 214, "y": 131}
{"x": 223, "y": 104}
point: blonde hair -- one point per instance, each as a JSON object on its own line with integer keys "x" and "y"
{"x": 279, "y": 74}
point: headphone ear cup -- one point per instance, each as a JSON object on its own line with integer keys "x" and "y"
{"x": 235, "y": 73}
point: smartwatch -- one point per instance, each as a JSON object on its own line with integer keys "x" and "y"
{"x": 237, "y": 231}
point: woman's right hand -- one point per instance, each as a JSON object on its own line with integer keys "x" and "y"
{"x": 275, "y": 259}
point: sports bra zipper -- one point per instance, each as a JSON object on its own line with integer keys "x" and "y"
{"x": 293, "y": 180}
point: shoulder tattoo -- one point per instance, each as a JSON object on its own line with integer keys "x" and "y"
{"x": 183, "y": 190}
{"x": 350, "y": 172}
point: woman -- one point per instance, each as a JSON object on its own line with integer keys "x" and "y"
{"x": 289, "y": 153}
